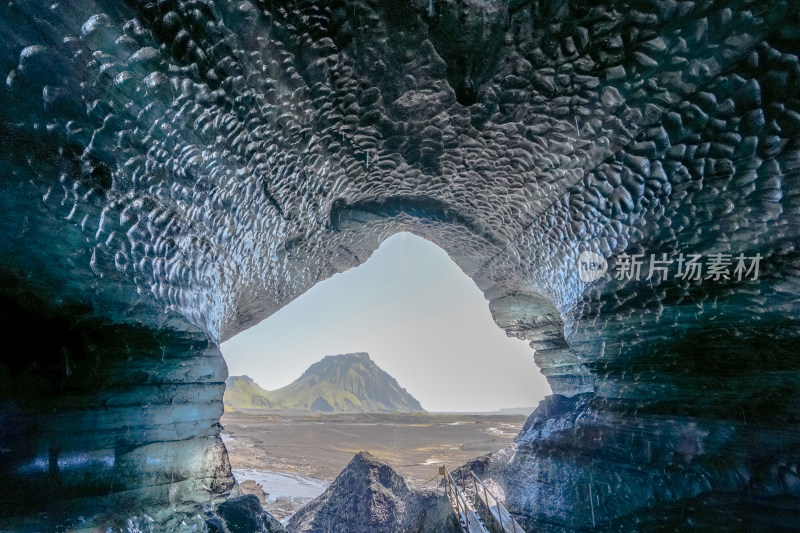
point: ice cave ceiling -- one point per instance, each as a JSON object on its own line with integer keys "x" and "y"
{"x": 174, "y": 171}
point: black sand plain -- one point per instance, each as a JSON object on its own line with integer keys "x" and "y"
{"x": 321, "y": 445}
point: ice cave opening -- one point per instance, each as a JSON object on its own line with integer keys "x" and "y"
{"x": 424, "y": 378}
{"x": 618, "y": 178}
{"x": 419, "y": 317}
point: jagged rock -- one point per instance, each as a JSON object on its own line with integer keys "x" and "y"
{"x": 256, "y": 489}
{"x": 242, "y": 515}
{"x": 369, "y": 497}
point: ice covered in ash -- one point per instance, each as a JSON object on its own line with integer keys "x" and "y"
{"x": 176, "y": 171}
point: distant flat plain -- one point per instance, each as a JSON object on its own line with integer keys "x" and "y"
{"x": 321, "y": 445}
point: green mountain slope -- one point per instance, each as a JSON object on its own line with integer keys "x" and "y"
{"x": 243, "y": 392}
{"x": 347, "y": 383}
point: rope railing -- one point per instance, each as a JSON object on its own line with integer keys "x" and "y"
{"x": 457, "y": 498}
{"x": 499, "y": 506}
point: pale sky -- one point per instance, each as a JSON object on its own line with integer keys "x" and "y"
{"x": 420, "y": 318}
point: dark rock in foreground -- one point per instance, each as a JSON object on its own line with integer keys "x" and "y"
{"x": 563, "y": 471}
{"x": 369, "y": 497}
{"x": 243, "y": 515}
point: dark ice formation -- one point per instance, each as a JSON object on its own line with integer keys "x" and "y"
{"x": 243, "y": 514}
{"x": 619, "y": 177}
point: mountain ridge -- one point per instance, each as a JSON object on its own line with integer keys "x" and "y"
{"x": 344, "y": 383}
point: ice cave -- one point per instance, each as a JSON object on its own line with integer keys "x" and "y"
{"x": 619, "y": 178}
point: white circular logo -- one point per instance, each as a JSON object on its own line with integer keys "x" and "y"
{"x": 591, "y": 266}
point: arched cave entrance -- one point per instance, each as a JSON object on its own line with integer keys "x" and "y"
{"x": 409, "y": 313}
{"x": 175, "y": 171}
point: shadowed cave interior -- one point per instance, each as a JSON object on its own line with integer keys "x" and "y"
{"x": 173, "y": 172}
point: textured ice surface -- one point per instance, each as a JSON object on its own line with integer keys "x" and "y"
{"x": 178, "y": 170}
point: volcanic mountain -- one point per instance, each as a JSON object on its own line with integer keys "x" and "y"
{"x": 346, "y": 383}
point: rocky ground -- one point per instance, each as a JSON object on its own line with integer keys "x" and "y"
{"x": 308, "y": 449}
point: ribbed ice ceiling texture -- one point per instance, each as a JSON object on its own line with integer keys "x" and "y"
{"x": 172, "y": 172}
